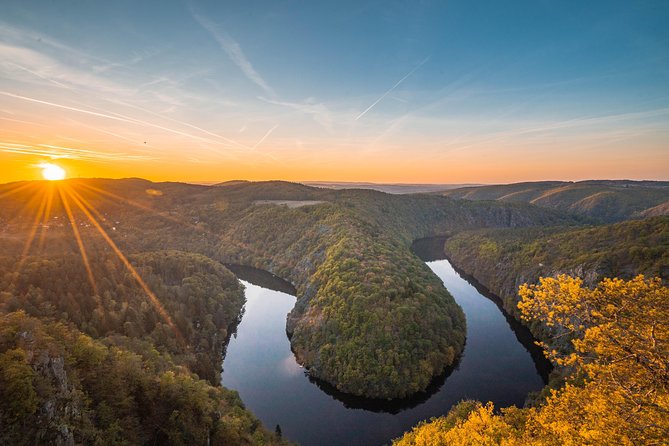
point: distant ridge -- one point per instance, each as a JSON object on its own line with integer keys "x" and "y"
{"x": 390, "y": 188}
{"x": 231, "y": 183}
{"x": 604, "y": 200}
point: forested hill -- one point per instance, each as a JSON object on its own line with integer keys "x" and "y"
{"x": 605, "y": 201}
{"x": 94, "y": 359}
{"x": 347, "y": 253}
{"x": 504, "y": 259}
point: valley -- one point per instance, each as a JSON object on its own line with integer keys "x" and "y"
{"x": 372, "y": 325}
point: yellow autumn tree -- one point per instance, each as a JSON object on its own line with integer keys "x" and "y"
{"x": 617, "y": 393}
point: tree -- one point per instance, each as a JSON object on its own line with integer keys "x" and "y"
{"x": 17, "y": 388}
{"x": 620, "y": 336}
{"x": 618, "y": 389}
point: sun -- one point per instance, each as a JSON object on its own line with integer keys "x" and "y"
{"x": 52, "y": 172}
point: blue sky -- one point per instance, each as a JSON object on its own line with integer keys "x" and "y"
{"x": 448, "y": 91}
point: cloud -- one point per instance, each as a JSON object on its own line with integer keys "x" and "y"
{"x": 60, "y": 152}
{"x": 234, "y": 52}
{"x": 129, "y": 120}
{"x": 603, "y": 123}
{"x": 17, "y": 59}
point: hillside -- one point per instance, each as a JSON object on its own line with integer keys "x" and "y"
{"x": 504, "y": 259}
{"x": 348, "y": 255}
{"x": 605, "y": 201}
{"x": 349, "y": 259}
{"x": 91, "y": 359}
{"x": 400, "y": 188}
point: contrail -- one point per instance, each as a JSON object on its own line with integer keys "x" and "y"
{"x": 392, "y": 88}
{"x": 228, "y": 140}
{"x": 130, "y": 120}
{"x": 115, "y": 117}
{"x": 269, "y": 132}
{"x": 234, "y": 52}
{"x": 35, "y": 73}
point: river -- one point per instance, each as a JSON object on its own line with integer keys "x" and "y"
{"x": 499, "y": 364}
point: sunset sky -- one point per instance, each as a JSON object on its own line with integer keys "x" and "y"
{"x": 418, "y": 92}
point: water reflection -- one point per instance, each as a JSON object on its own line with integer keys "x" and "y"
{"x": 259, "y": 364}
{"x": 432, "y": 248}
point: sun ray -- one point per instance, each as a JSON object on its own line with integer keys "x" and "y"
{"x": 24, "y": 212}
{"x": 143, "y": 207}
{"x": 16, "y": 189}
{"x": 33, "y": 230}
{"x": 46, "y": 217}
{"x": 152, "y": 297}
{"x": 183, "y": 222}
{"x": 77, "y": 236}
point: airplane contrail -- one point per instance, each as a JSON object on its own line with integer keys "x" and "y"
{"x": 269, "y": 132}
{"x": 114, "y": 116}
{"x": 392, "y": 88}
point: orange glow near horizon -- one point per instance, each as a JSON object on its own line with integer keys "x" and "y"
{"x": 160, "y": 148}
{"x": 101, "y": 148}
{"x": 423, "y": 164}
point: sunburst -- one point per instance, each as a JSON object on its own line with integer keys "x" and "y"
{"x": 52, "y": 172}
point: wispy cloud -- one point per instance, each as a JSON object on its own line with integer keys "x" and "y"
{"x": 60, "y": 152}
{"x": 136, "y": 59}
{"x": 234, "y": 52}
{"x": 390, "y": 90}
{"x": 17, "y": 59}
{"x": 604, "y": 122}
{"x": 26, "y": 37}
{"x": 113, "y": 116}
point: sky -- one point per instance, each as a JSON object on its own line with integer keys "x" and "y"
{"x": 444, "y": 91}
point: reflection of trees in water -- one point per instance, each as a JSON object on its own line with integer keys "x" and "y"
{"x": 262, "y": 278}
{"x": 430, "y": 249}
{"x": 258, "y": 277}
{"x": 394, "y": 406}
{"x": 427, "y": 249}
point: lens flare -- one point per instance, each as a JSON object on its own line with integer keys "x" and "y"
{"x": 52, "y": 172}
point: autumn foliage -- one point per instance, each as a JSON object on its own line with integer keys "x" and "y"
{"x": 617, "y": 391}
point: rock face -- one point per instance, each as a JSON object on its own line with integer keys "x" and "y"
{"x": 63, "y": 407}
{"x": 57, "y": 409}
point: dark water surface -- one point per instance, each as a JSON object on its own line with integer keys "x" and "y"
{"x": 497, "y": 365}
